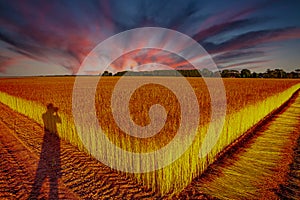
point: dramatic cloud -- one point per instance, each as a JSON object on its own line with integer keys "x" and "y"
{"x": 62, "y": 33}
{"x": 224, "y": 27}
{"x": 248, "y": 64}
{"x": 254, "y": 38}
{"x": 234, "y": 56}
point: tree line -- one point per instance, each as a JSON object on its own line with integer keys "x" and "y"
{"x": 226, "y": 73}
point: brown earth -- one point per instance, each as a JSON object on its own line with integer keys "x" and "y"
{"x": 264, "y": 165}
{"x": 80, "y": 177}
{"x": 29, "y": 169}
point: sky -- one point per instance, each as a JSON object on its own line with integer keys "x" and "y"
{"x": 53, "y": 37}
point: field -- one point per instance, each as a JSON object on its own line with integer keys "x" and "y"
{"x": 248, "y": 101}
{"x": 264, "y": 166}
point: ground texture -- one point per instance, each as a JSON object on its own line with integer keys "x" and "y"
{"x": 29, "y": 160}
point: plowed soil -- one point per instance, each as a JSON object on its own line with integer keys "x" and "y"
{"x": 80, "y": 177}
{"x": 35, "y": 164}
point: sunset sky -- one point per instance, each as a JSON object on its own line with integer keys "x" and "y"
{"x": 53, "y": 37}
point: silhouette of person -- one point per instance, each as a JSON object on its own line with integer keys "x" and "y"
{"x": 49, "y": 163}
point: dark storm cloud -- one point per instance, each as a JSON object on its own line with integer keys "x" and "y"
{"x": 225, "y": 27}
{"x": 22, "y": 52}
{"x": 247, "y": 63}
{"x": 234, "y": 56}
{"x": 3, "y": 59}
{"x": 64, "y": 32}
{"x": 41, "y": 29}
{"x": 7, "y": 39}
{"x": 254, "y": 38}
{"x": 162, "y": 13}
{"x": 38, "y": 30}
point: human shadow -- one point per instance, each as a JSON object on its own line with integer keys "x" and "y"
{"x": 49, "y": 163}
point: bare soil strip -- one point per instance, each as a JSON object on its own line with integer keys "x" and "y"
{"x": 18, "y": 165}
{"x": 259, "y": 168}
{"x": 291, "y": 190}
{"x": 82, "y": 177}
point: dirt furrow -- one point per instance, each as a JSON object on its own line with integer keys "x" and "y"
{"x": 291, "y": 190}
{"x": 29, "y": 167}
{"x": 18, "y": 166}
{"x": 263, "y": 167}
{"x": 80, "y": 174}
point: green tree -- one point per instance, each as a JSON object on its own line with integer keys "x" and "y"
{"x": 206, "y": 73}
{"x": 225, "y": 73}
{"x": 106, "y": 73}
{"x": 245, "y": 73}
{"x": 297, "y": 71}
{"x": 279, "y": 73}
{"x": 254, "y": 75}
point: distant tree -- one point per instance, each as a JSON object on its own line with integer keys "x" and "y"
{"x": 292, "y": 75}
{"x": 245, "y": 73}
{"x": 120, "y": 73}
{"x": 190, "y": 73}
{"x": 206, "y": 73}
{"x": 260, "y": 75}
{"x": 225, "y": 73}
{"x": 279, "y": 73}
{"x": 297, "y": 71}
{"x": 217, "y": 74}
{"x": 230, "y": 73}
{"x": 194, "y": 73}
{"x": 235, "y": 74}
{"x": 106, "y": 73}
{"x": 254, "y": 75}
{"x": 268, "y": 74}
